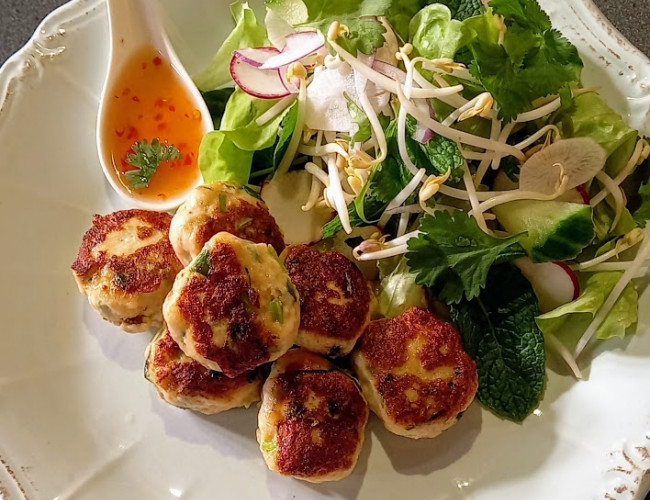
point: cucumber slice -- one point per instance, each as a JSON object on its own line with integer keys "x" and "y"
{"x": 557, "y": 230}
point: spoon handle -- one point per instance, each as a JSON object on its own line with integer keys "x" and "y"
{"x": 133, "y": 23}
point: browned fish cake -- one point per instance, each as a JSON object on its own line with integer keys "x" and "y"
{"x": 312, "y": 420}
{"x": 335, "y": 299}
{"x": 415, "y": 374}
{"x": 233, "y": 308}
{"x": 217, "y": 207}
{"x": 184, "y": 382}
{"x": 126, "y": 266}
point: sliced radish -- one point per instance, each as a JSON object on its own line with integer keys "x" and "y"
{"x": 344, "y": 243}
{"x": 298, "y": 46}
{"x": 577, "y": 195}
{"x": 256, "y": 57}
{"x": 285, "y": 195}
{"x": 390, "y": 71}
{"x": 581, "y": 159}
{"x": 554, "y": 283}
{"x": 583, "y": 193}
{"x": 265, "y": 84}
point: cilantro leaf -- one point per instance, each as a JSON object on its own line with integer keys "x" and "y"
{"x": 499, "y": 332}
{"x": 453, "y": 247}
{"x": 463, "y": 9}
{"x": 365, "y": 36}
{"x": 146, "y": 158}
{"x": 534, "y": 60}
{"x": 359, "y": 118}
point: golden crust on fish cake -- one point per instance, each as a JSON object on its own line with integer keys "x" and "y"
{"x": 126, "y": 266}
{"x": 335, "y": 299}
{"x": 184, "y": 382}
{"x": 414, "y": 373}
{"x": 312, "y": 421}
{"x": 217, "y": 207}
{"x": 234, "y": 307}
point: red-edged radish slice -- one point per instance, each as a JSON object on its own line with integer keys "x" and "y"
{"x": 265, "y": 84}
{"x": 285, "y": 195}
{"x": 575, "y": 196}
{"x": 344, "y": 243}
{"x": 256, "y": 57}
{"x": 390, "y": 71}
{"x": 583, "y": 193}
{"x": 581, "y": 158}
{"x": 554, "y": 283}
{"x": 298, "y": 46}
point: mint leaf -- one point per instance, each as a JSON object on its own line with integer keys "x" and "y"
{"x": 463, "y": 9}
{"x": 359, "y": 118}
{"x": 453, "y": 247}
{"x": 146, "y": 158}
{"x": 365, "y": 36}
{"x": 499, "y": 332}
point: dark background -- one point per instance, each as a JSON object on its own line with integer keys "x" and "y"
{"x": 19, "y": 18}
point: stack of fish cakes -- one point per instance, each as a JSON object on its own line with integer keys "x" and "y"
{"x": 237, "y": 311}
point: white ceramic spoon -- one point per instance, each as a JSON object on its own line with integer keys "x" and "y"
{"x": 134, "y": 24}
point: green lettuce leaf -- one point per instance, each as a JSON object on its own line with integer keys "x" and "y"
{"x": 321, "y": 14}
{"x": 221, "y": 160}
{"x": 399, "y": 292}
{"x": 434, "y": 34}
{"x": 589, "y": 116}
{"x": 569, "y": 320}
{"x": 247, "y": 33}
{"x": 642, "y": 213}
{"x": 453, "y": 253}
{"x": 499, "y": 332}
{"x": 216, "y": 101}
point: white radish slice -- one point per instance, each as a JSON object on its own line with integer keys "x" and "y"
{"x": 298, "y": 46}
{"x": 554, "y": 283}
{"x": 285, "y": 195}
{"x": 581, "y": 159}
{"x": 256, "y": 57}
{"x": 265, "y": 84}
{"x": 344, "y": 243}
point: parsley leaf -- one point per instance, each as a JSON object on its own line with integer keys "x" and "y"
{"x": 534, "y": 60}
{"x": 499, "y": 332}
{"x": 147, "y": 158}
{"x": 455, "y": 255}
{"x": 359, "y": 118}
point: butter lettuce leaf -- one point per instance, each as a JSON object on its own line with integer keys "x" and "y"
{"x": 434, "y": 34}
{"x": 399, "y": 292}
{"x": 221, "y": 160}
{"x": 589, "y": 116}
{"x": 247, "y": 33}
{"x": 566, "y": 321}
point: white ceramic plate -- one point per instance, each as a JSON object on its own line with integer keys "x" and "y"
{"x": 78, "y": 420}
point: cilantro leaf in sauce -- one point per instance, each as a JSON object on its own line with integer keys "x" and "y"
{"x": 146, "y": 158}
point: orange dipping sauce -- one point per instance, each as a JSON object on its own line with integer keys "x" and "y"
{"x": 147, "y": 102}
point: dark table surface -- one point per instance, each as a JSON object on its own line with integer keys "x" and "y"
{"x": 20, "y": 18}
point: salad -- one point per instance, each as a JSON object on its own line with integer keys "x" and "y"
{"x": 452, "y": 147}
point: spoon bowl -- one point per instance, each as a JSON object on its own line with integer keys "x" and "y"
{"x": 135, "y": 25}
